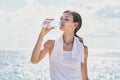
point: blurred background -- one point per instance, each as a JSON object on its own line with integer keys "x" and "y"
{"x": 21, "y": 23}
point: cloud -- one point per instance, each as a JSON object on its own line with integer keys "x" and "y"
{"x": 23, "y": 25}
{"x": 11, "y": 5}
{"x": 60, "y": 3}
{"x": 95, "y": 6}
{"x": 109, "y": 12}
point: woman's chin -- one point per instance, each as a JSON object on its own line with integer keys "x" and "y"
{"x": 61, "y": 27}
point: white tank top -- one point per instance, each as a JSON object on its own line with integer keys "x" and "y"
{"x": 66, "y": 65}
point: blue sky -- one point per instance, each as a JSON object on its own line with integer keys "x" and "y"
{"x": 20, "y": 21}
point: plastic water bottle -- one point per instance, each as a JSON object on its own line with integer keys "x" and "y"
{"x": 52, "y": 23}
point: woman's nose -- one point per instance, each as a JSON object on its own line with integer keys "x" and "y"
{"x": 62, "y": 21}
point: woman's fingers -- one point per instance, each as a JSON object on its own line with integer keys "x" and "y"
{"x": 45, "y": 30}
{"x": 47, "y": 21}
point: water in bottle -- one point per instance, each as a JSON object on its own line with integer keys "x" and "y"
{"x": 51, "y": 23}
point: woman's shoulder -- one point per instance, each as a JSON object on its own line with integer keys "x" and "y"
{"x": 49, "y": 43}
{"x": 85, "y": 46}
{"x": 85, "y": 51}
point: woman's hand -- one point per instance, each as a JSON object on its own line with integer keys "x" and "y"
{"x": 46, "y": 28}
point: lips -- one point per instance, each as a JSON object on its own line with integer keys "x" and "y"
{"x": 62, "y": 24}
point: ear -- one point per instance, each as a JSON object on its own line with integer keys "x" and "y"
{"x": 76, "y": 24}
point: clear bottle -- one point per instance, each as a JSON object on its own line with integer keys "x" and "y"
{"x": 51, "y": 23}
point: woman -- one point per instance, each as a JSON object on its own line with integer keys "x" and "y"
{"x": 68, "y": 54}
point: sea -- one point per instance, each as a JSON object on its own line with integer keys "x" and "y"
{"x": 16, "y": 65}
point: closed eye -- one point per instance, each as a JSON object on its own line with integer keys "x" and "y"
{"x": 65, "y": 19}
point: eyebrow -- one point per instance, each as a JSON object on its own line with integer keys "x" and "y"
{"x": 65, "y": 17}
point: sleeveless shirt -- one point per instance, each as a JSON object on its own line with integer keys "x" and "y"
{"x": 66, "y": 65}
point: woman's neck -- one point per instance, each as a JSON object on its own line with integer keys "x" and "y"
{"x": 68, "y": 38}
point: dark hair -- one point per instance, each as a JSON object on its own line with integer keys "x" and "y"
{"x": 76, "y": 18}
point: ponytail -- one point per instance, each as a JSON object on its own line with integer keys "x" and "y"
{"x": 80, "y": 39}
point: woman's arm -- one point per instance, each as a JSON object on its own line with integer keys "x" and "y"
{"x": 37, "y": 53}
{"x": 84, "y": 73}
